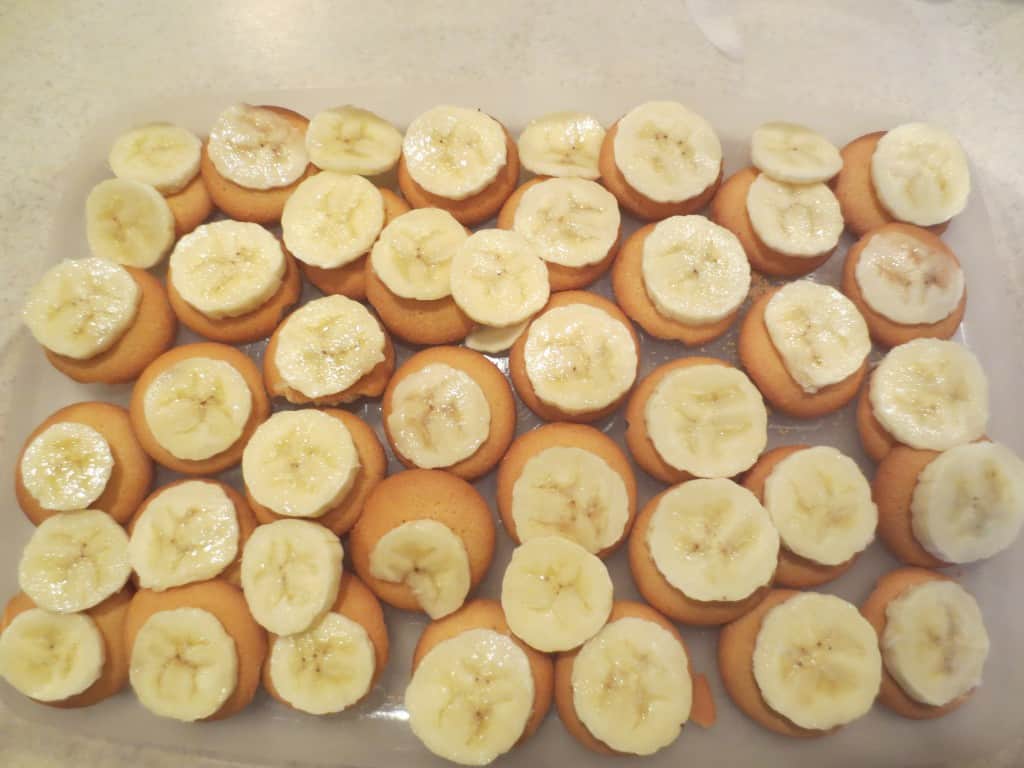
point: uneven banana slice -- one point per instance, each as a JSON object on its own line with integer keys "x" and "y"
{"x": 817, "y": 661}
{"x": 128, "y": 223}
{"x": 801, "y": 220}
{"x": 562, "y": 144}
{"x": 694, "y": 271}
{"x": 413, "y": 254}
{"x": 820, "y": 334}
{"x": 498, "y": 278}
{"x": 352, "y": 140}
{"x": 74, "y": 560}
{"x": 794, "y": 153}
{"x": 291, "y": 571}
{"x": 328, "y": 345}
{"x": 708, "y": 420}
{"x": 184, "y": 665}
{"x": 428, "y": 557}
{"x": 968, "y": 503}
{"x": 930, "y": 394}
{"x": 920, "y": 174}
{"x": 666, "y": 152}
{"x": 300, "y": 463}
{"x": 227, "y": 268}
{"x": 935, "y": 642}
{"x": 471, "y": 696}
{"x": 257, "y": 148}
{"x": 197, "y": 408}
{"x": 712, "y": 540}
{"x": 820, "y": 502}
{"x": 493, "y": 341}
{"x": 67, "y": 466}
{"x": 162, "y": 155}
{"x": 631, "y": 686}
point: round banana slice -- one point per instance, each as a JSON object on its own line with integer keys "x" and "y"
{"x": 498, "y": 278}
{"x": 920, "y": 174}
{"x": 413, "y": 254}
{"x": 454, "y": 152}
{"x": 300, "y": 463}
{"x": 968, "y": 503}
{"x": 562, "y": 144}
{"x": 257, "y": 148}
{"x": 794, "y": 153}
{"x": 666, "y": 152}
{"x": 493, "y": 341}
{"x": 353, "y": 140}
{"x": 801, "y": 220}
{"x": 694, "y": 271}
{"x": 74, "y": 560}
{"x": 820, "y": 334}
{"x": 935, "y": 642}
{"x": 471, "y": 696}
{"x": 128, "y": 223}
{"x": 67, "y": 466}
{"x": 816, "y": 661}
{"x": 161, "y": 155}
{"x": 930, "y": 394}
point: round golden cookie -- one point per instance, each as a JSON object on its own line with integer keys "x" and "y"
{"x": 884, "y": 331}
{"x": 768, "y": 371}
{"x": 495, "y": 388}
{"x": 636, "y": 202}
{"x": 561, "y": 435}
{"x": 151, "y": 333}
{"x": 131, "y": 477}
{"x": 109, "y": 617}
{"x": 517, "y": 360}
{"x": 226, "y": 458}
{"x": 263, "y": 206}
{"x": 664, "y": 597}
{"x": 190, "y": 206}
{"x": 373, "y": 467}
{"x": 561, "y": 277}
{"x": 422, "y": 494}
{"x": 875, "y": 439}
{"x": 893, "y": 491}
{"x": 228, "y": 605}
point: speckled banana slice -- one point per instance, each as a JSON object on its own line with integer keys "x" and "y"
{"x": 257, "y": 148}
{"x": 800, "y": 220}
{"x": 493, "y": 341}
{"x": 129, "y": 223}
{"x": 162, "y": 155}
{"x": 353, "y": 140}
{"x": 413, "y": 254}
{"x": 794, "y": 153}
{"x": 562, "y": 144}
{"x": 67, "y": 466}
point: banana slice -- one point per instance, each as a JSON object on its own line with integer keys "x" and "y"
{"x": 325, "y": 669}
{"x": 493, "y": 341}
{"x": 708, "y": 420}
{"x": 454, "y": 152}
{"x": 162, "y": 155}
{"x": 184, "y": 665}
{"x": 935, "y": 642}
{"x": 694, "y": 271}
{"x": 471, "y": 696}
{"x": 413, "y": 254}
{"x": 794, "y": 153}
{"x": 197, "y": 408}
{"x": 67, "y": 466}
{"x": 631, "y": 686}
{"x": 51, "y": 656}
{"x": 712, "y": 540}
{"x": 353, "y": 140}
{"x": 920, "y": 174}
{"x": 579, "y": 358}
{"x": 820, "y": 334}
{"x": 74, "y": 560}
{"x": 498, "y": 278}
{"x": 257, "y": 148}
{"x": 187, "y": 532}
{"x": 428, "y": 557}
{"x": 820, "y": 502}
{"x": 555, "y": 594}
{"x": 573, "y": 493}
{"x": 666, "y": 152}
{"x": 817, "y": 661}
{"x": 128, "y": 223}
{"x": 291, "y": 571}
{"x": 801, "y": 220}
{"x": 562, "y": 144}
{"x": 332, "y": 219}
{"x": 908, "y": 281}
{"x": 968, "y": 503}
{"x": 930, "y": 394}
{"x": 328, "y": 345}
{"x": 300, "y": 463}
{"x": 571, "y": 222}
{"x": 227, "y": 268}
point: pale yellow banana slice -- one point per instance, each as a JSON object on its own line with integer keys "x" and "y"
{"x": 162, "y": 155}
{"x": 129, "y": 223}
{"x": 352, "y": 140}
{"x": 413, "y": 254}
{"x": 494, "y": 341}
{"x": 794, "y": 153}
{"x": 562, "y": 144}
{"x": 67, "y": 466}
{"x": 257, "y": 148}
{"x": 801, "y": 220}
